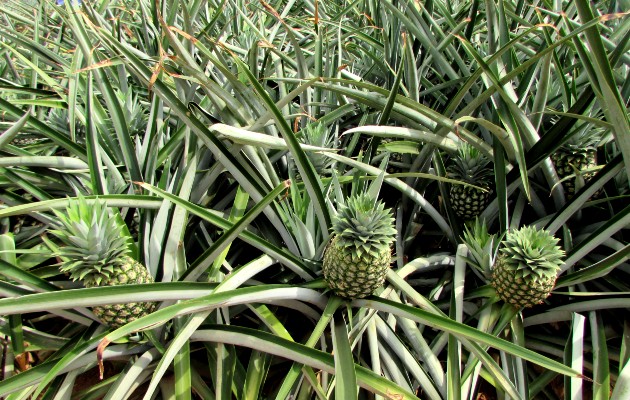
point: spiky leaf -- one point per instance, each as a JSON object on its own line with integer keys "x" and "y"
{"x": 482, "y": 245}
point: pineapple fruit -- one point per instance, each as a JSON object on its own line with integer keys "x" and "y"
{"x": 470, "y": 166}
{"x": 358, "y": 256}
{"x": 525, "y": 271}
{"x": 24, "y": 139}
{"x": 575, "y": 157}
{"x": 95, "y": 251}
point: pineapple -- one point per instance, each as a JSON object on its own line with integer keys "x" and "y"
{"x": 358, "y": 256}
{"x": 575, "y": 157}
{"x": 472, "y": 167}
{"x": 96, "y": 252}
{"x": 25, "y": 139}
{"x": 527, "y": 266}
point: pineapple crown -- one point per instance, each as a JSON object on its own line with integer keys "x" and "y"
{"x": 58, "y": 118}
{"x": 483, "y": 247}
{"x": 317, "y": 134}
{"x": 470, "y": 165}
{"x": 93, "y": 242}
{"x": 532, "y": 252}
{"x": 365, "y": 225}
{"x": 585, "y": 139}
{"x": 136, "y": 115}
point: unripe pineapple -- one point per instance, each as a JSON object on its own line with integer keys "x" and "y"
{"x": 357, "y": 258}
{"x": 95, "y": 251}
{"x": 575, "y": 157}
{"x": 25, "y": 139}
{"x": 526, "y": 268}
{"x": 472, "y": 167}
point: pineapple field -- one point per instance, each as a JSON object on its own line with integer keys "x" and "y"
{"x": 302, "y": 199}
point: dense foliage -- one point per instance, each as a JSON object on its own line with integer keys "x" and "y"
{"x": 223, "y": 137}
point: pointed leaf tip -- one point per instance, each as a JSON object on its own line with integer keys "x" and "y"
{"x": 586, "y": 378}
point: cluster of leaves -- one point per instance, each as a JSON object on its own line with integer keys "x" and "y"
{"x": 190, "y": 118}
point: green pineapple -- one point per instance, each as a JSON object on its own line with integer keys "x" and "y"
{"x": 574, "y": 157}
{"x": 358, "y": 256}
{"x": 526, "y": 268}
{"x": 25, "y": 139}
{"x": 96, "y": 252}
{"x": 472, "y": 167}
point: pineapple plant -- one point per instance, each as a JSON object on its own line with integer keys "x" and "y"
{"x": 95, "y": 251}
{"x": 470, "y": 166}
{"x": 358, "y": 256}
{"x": 397, "y": 150}
{"x": 575, "y": 157}
{"x": 317, "y": 134}
{"x": 58, "y": 119}
{"x": 483, "y": 247}
{"x": 135, "y": 113}
{"x": 527, "y": 266}
{"x": 366, "y": 72}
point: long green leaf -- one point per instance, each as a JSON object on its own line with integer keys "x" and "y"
{"x": 622, "y": 387}
{"x": 333, "y": 303}
{"x": 601, "y": 362}
{"x": 230, "y": 234}
{"x": 311, "y": 180}
{"x": 8, "y": 135}
{"x": 464, "y": 331}
{"x": 346, "y": 382}
{"x": 613, "y": 105}
{"x": 92, "y": 144}
{"x": 88, "y": 297}
{"x": 298, "y": 353}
